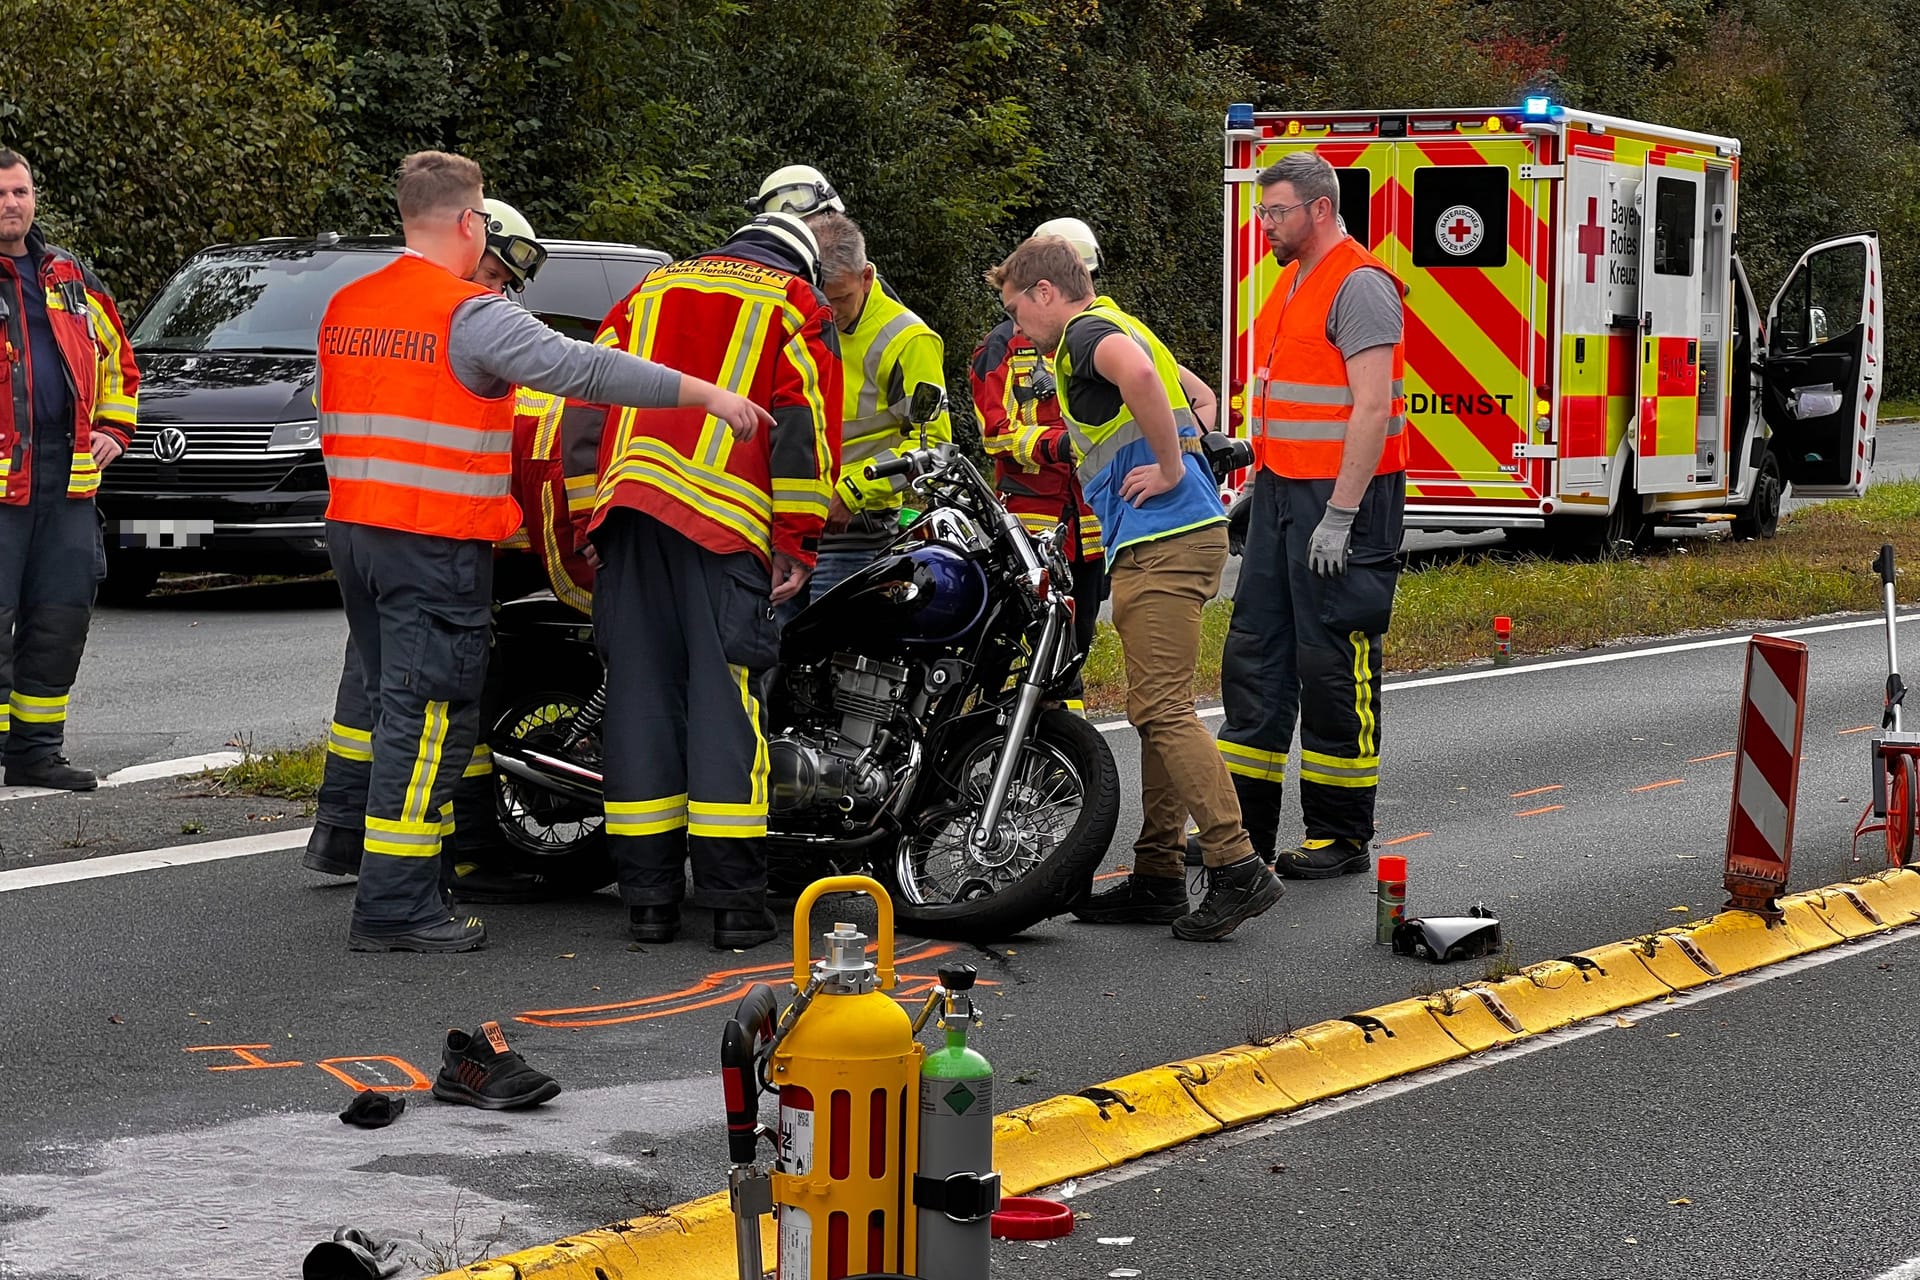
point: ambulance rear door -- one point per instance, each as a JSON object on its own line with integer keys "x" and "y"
{"x": 1672, "y": 196}
{"x": 1825, "y": 356}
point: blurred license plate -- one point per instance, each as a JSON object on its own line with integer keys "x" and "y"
{"x": 151, "y": 534}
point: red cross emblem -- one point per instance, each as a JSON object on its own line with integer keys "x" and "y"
{"x": 1593, "y": 237}
{"x": 1460, "y": 230}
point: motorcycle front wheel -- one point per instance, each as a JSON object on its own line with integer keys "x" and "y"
{"x": 1058, "y": 821}
{"x": 548, "y": 834}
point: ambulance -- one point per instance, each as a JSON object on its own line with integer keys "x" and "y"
{"x": 1585, "y": 360}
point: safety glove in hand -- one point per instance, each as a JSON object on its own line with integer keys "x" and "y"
{"x": 1332, "y": 537}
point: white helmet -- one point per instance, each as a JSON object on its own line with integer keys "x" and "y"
{"x": 796, "y": 188}
{"x": 790, "y": 232}
{"x": 510, "y": 238}
{"x": 1076, "y": 233}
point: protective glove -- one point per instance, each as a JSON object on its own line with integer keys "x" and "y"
{"x": 1327, "y": 552}
{"x": 352, "y": 1254}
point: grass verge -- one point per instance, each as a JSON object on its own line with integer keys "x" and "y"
{"x": 1820, "y": 563}
{"x": 292, "y": 773}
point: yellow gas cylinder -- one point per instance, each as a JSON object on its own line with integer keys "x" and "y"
{"x": 848, "y": 1075}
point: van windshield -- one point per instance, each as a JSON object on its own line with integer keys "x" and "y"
{"x": 250, "y": 300}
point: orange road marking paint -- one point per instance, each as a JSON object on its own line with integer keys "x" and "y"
{"x": 416, "y": 1082}
{"x": 1862, "y": 729}
{"x": 1723, "y": 755}
{"x": 250, "y": 1060}
{"x": 1537, "y": 791}
{"x": 1655, "y": 786}
{"x": 1418, "y": 835}
{"x": 1528, "y": 813}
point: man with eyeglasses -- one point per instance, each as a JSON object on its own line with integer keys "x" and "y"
{"x": 1136, "y": 443}
{"x": 1327, "y": 413}
{"x": 544, "y": 547}
{"x": 418, "y": 366}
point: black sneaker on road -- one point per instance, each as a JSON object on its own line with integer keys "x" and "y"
{"x": 1236, "y": 893}
{"x": 450, "y": 934}
{"x": 1136, "y": 900}
{"x": 480, "y": 1071}
{"x": 1322, "y": 859}
{"x": 52, "y": 771}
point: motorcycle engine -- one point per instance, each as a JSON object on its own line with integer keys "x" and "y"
{"x": 831, "y": 766}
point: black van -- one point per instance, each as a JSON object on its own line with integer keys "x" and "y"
{"x": 225, "y": 474}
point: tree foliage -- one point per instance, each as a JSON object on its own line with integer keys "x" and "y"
{"x": 952, "y": 127}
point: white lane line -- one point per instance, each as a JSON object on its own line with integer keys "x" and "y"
{"x": 121, "y": 864}
{"x": 139, "y": 773}
{"x": 1908, "y": 1270}
{"x": 1494, "y": 1057}
{"x": 1559, "y": 664}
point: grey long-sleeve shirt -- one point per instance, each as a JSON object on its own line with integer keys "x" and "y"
{"x": 496, "y": 344}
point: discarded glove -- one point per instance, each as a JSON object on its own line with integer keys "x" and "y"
{"x": 352, "y": 1254}
{"x": 373, "y": 1110}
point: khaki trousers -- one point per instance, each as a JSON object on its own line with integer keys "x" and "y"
{"x": 1159, "y": 589}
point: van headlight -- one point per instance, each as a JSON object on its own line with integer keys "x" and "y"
{"x": 296, "y": 435}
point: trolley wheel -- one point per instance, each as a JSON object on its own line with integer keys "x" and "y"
{"x": 1901, "y": 817}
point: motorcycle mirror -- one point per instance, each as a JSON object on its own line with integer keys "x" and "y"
{"x": 929, "y": 402}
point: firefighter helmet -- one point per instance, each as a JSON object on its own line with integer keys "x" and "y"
{"x": 796, "y": 188}
{"x": 1076, "y": 233}
{"x": 792, "y": 233}
{"x": 510, "y": 238}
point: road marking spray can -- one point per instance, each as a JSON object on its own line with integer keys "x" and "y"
{"x": 1390, "y": 897}
{"x": 1502, "y": 640}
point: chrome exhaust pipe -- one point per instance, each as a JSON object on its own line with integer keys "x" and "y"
{"x": 551, "y": 773}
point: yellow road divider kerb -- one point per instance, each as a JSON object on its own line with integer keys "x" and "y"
{"x": 1109, "y": 1124}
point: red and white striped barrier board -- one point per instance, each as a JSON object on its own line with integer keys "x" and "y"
{"x": 1766, "y": 775}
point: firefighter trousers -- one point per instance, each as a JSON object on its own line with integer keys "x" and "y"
{"x": 342, "y": 803}
{"x": 418, "y": 609}
{"x": 51, "y": 564}
{"x": 687, "y": 638}
{"x": 1307, "y": 650}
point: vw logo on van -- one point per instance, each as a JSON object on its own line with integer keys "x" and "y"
{"x": 170, "y": 445}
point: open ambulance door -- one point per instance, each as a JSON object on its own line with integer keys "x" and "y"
{"x": 1671, "y": 261}
{"x": 1823, "y": 366}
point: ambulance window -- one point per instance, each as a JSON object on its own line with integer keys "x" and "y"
{"x": 1460, "y": 216}
{"x": 1673, "y": 227}
{"x": 1356, "y": 203}
{"x": 1824, "y": 300}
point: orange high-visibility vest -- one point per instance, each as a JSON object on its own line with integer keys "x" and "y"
{"x": 407, "y": 445}
{"x": 1298, "y": 401}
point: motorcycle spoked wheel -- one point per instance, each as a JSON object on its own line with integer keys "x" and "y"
{"x": 549, "y": 835}
{"x": 1060, "y": 812}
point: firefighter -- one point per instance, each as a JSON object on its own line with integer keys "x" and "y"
{"x": 68, "y": 385}
{"x": 1136, "y": 439}
{"x": 514, "y": 256}
{"x": 885, "y": 351}
{"x": 1317, "y": 577}
{"x": 1019, "y": 413}
{"x": 418, "y": 366}
{"x": 698, "y": 539}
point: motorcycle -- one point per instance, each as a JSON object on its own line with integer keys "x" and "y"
{"x": 915, "y": 732}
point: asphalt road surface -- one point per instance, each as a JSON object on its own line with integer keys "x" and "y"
{"x": 179, "y": 1040}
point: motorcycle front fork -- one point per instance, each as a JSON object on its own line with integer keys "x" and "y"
{"x": 986, "y": 832}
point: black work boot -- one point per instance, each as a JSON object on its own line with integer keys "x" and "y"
{"x": 740, "y": 930}
{"x": 51, "y": 771}
{"x": 1323, "y": 859}
{"x": 1236, "y": 892}
{"x": 481, "y": 1071}
{"x": 1136, "y": 900}
{"x": 658, "y": 922}
{"x": 334, "y": 851}
{"x": 442, "y": 935}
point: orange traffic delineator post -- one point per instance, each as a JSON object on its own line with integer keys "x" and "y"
{"x": 1766, "y": 775}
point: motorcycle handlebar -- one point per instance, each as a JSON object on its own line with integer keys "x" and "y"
{"x": 901, "y": 466}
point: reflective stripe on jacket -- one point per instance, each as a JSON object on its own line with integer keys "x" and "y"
{"x": 553, "y": 486}
{"x": 1015, "y": 398}
{"x": 1299, "y": 401}
{"x": 407, "y": 445}
{"x": 97, "y": 363}
{"x": 890, "y": 352}
{"x": 755, "y": 328}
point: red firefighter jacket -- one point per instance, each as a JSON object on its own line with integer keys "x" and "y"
{"x": 97, "y": 363}
{"x": 1021, "y": 428}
